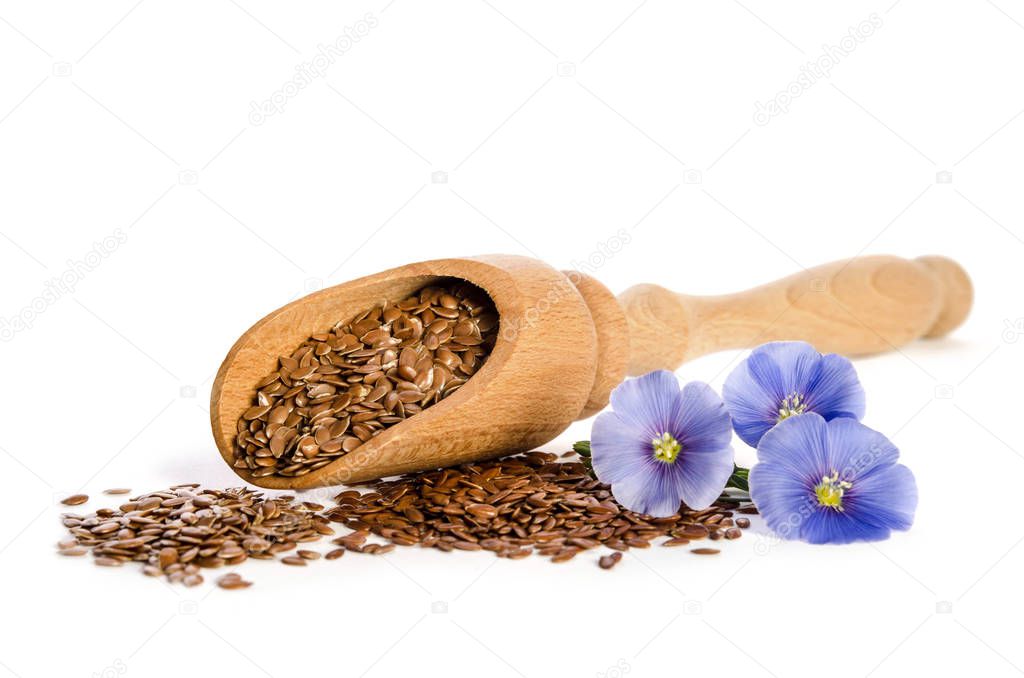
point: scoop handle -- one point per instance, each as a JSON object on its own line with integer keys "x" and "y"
{"x": 858, "y": 306}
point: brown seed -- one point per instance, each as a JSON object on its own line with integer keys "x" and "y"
{"x": 75, "y": 499}
{"x": 705, "y": 551}
{"x": 694, "y": 532}
{"x": 117, "y": 490}
{"x": 334, "y": 554}
{"x": 676, "y": 541}
{"x": 609, "y": 561}
{"x": 104, "y": 561}
{"x": 167, "y": 557}
{"x": 743, "y": 522}
{"x": 733, "y": 533}
{"x": 293, "y": 560}
{"x": 73, "y": 551}
{"x": 307, "y": 554}
{"x": 564, "y": 555}
{"x": 482, "y": 511}
{"x": 232, "y": 580}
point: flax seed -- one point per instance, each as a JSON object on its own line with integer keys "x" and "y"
{"x": 343, "y": 386}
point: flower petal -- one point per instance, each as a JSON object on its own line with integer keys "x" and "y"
{"x": 855, "y": 449}
{"x": 701, "y": 475}
{"x": 704, "y": 430}
{"x": 828, "y": 526}
{"x": 834, "y": 389}
{"x": 654, "y": 491}
{"x": 784, "y": 366}
{"x": 701, "y": 421}
{"x": 647, "y": 403}
{"x": 618, "y": 449}
{"x": 782, "y": 497}
{"x": 799, "y": 444}
{"x": 885, "y": 498}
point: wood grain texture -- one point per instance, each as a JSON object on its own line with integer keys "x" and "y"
{"x": 958, "y": 294}
{"x": 855, "y": 307}
{"x": 612, "y": 339}
{"x": 534, "y": 384}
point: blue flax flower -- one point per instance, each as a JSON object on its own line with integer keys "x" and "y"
{"x": 831, "y": 482}
{"x": 785, "y": 378}
{"x": 660, "y": 445}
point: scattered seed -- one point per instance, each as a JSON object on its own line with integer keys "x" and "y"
{"x": 233, "y": 580}
{"x": 117, "y": 490}
{"x": 511, "y": 507}
{"x": 705, "y": 551}
{"x": 75, "y": 499}
{"x": 177, "y": 532}
{"x": 108, "y": 562}
{"x": 743, "y": 522}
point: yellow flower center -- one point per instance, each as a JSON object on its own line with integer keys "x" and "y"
{"x": 666, "y": 448}
{"x": 792, "y": 404}
{"x": 830, "y": 491}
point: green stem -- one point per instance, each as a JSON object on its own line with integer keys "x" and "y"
{"x": 739, "y": 478}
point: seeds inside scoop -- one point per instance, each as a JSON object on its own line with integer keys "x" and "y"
{"x": 342, "y": 387}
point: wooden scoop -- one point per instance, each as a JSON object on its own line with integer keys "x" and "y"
{"x": 565, "y": 342}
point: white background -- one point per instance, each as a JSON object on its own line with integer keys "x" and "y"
{"x": 557, "y": 126}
